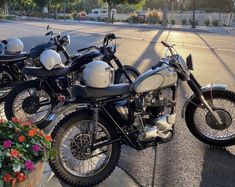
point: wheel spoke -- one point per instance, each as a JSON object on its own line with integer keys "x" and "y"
{"x": 78, "y": 139}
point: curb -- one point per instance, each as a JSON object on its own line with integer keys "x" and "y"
{"x": 124, "y": 25}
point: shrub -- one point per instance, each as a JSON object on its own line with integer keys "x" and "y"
{"x": 191, "y": 22}
{"x": 215, "y": 22}
{"x": 91, "y": 19}
{"x": 21, "y": 146}
{"x": 2, "y": 17}
{"x": 132, "y": 18}
{"x": 10, "y": 17}
{"x": 74, "y": 14}
{"x": 172, "y": 22}
{"x": 207, "y": 22}
{"x": 184, "y": 21}
{"x": 66, "y": 17}
{"x": 153, "y": 16}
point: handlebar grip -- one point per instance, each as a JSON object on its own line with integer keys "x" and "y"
{"x": 165, "y": 44}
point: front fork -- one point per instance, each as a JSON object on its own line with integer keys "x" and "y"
{"x": 196, "y": 88}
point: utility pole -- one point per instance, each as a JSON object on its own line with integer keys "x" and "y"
{"x": 165, "y": 10}
{"x": 194, "y": 7}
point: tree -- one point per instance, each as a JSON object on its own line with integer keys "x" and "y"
{"x": 112, "y": 3}
{"x": 216, "y": 5}
{"x": 154, "y": 4}
{"x": 4, "y": 6}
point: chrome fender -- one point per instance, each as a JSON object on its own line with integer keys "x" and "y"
{"x": 59, "y": 111}
{"x": 209, "y": 87}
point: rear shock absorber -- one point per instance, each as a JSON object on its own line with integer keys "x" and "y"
{"x": 95, "y": 118}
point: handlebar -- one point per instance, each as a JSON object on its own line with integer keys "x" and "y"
{"x": 165, "y": 44}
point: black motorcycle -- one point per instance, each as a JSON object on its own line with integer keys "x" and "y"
{"x": 142, "y": 114}
{"x": 34, "y": 99}
{"x": 11, "y": 65}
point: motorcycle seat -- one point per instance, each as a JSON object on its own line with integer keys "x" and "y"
{"x": 13, "y": 57}
{"x": 80, "y": 92}
{"x": 41, "y": 72}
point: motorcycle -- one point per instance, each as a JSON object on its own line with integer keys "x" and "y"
{"x": 11, "y": 65}
{"x": 35, "y": 99}
{"x": 141, "y": 114}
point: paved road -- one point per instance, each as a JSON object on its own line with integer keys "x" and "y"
{"x": 184, "y": 161}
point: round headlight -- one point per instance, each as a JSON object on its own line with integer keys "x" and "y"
{"x": 65, "y": 40}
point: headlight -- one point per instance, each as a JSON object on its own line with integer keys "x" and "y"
{"x": 65, "y": 40}
{"x": 189, "y": 61}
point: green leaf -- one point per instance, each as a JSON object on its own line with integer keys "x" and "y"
{"x": 1, "y": 183}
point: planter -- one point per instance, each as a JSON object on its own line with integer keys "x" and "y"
{"x": 33, "y": 178}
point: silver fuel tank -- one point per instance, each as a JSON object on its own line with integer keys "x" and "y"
{"x": 155, "y": 79}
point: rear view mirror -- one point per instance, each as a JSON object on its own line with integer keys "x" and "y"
{"x": 189, "y": 61}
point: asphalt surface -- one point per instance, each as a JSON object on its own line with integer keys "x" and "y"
{"x": 184, "y": 161}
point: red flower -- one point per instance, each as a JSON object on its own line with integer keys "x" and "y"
{"x": 48, "y": 138}
{"x": 7, "y": 178}
{"x": 14, "y": 182}
{"x": 15, "y": 120}
{"x": 26, "y": 123}
{"x": 32, "y": 132}
{"x": 41, "y": 133}
{"x": 21, "y": 138}
{"x": 2, "y": 120}
{"x": 20, "y": 176}
{"x": 15, "y": 153}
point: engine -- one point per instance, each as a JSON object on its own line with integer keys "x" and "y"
{"x": 153, "y": 115}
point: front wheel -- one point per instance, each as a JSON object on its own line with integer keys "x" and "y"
{"x": 204, "y": 127}
{"x": 77, "y": 163}
{"x": 120, "y": 77}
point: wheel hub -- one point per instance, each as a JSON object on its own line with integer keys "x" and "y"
{"x": 80, "y": 147}
{"x": 31, "y": 104}
{"x": 224, "y": 116}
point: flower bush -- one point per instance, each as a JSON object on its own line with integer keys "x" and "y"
{"x": 22, "y": 145}
{"x": 153, "y": 16}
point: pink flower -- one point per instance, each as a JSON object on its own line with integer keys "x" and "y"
{"x": 36, "y": 148}
{"x": 7, "y": 143}
{"x": 29, "y": 165}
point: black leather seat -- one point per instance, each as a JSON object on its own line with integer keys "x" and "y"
{"x": 83, "y": 92}
{"x": 42, "y": 72}
{"x": 13, "y": 57}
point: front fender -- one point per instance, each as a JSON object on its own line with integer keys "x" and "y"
{"x": 209, "y": 87}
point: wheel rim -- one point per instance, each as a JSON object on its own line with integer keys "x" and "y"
{"x": 80, "y": 160}
{"x": 207, "y": 125}
{"x": 28, "y": 110}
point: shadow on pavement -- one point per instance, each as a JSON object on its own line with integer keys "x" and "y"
{"x": 218, "y": 168}
{"x": 231, "y": 72}
{"x": 149, "y": 52}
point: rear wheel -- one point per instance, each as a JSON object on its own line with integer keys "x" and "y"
{"x": 204, "y": 126}
{"x": 77, "y": 163}
{"x": 29, "y": 103}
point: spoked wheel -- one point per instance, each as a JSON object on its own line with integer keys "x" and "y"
{"x": 28, "y": 103}
{"x": 205, "y": 127}
{"x": 5, "y": 84}
{"x": 77, "y": 162}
